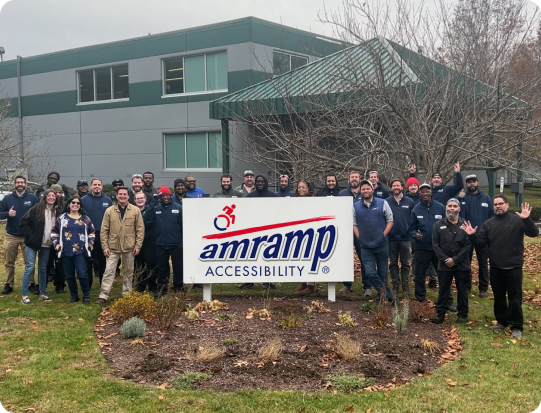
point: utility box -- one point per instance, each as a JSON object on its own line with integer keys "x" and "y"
{"x": 518, "y": 189}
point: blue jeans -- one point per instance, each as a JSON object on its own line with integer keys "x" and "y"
{"x": 377, "y": 257}
{"x": 76, "y": 263}
{"x": 365, "y": 279}
{"x": 43, "y": 260}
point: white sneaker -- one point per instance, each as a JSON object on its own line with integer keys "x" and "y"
{"x": 368, "y": 292}
{"x": 45, "y": 298}
{"x": 26, "y": 300}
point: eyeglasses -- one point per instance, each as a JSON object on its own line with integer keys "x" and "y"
{"x": 498, "y": 203}
{"x": 75, "y": 203}
{"x": 191, "y": 182}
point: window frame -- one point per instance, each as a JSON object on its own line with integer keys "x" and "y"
{"x": 183, "y": 57}
{"x": 186, "y": 168}
{"x": 98, "y": 102}
{"x": 289, "y": 55}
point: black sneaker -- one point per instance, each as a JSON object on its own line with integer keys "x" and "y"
{"x": 7, "y": 289}
{"x": 101, "y": 301}
{"x": 34, "y": 289}
{"x": 432, "y": 284}
{"x": 74, "y": 300}
{"x": 269, "y": 285}
{"x": 453, "y": 309}
{"x": 246, "y": 286}
{"x": 437, "y": 319}
{"x": 60, "y": 290}
{"x": 86, "y": 300}
{"x": 461, "y": 320}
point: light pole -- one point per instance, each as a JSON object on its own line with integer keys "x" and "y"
{"x": 2, "y": 51}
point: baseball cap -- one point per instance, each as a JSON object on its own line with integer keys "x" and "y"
{"x": 81, "y": 182}
{"x": 118, "y": 181}
{"x": 248, "y": 173}
{"x": 425, "y": 186}
{"x": 472, "y": 176}
{"x": 436, "y": 174}
{"x": 365, "y": 181}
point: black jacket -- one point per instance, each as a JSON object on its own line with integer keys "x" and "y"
{"x": 326, "y": 191}
{"x": 504, "y": 237}
{"x": 230, "y": 193}
{"x": 451, "y": 241}
{"x": 32, "y": 229}
{"x": 415, "y": 198}
{"x": 265, "y": 193}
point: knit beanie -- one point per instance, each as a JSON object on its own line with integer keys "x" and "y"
{"x": 56, "y": 187}
{"x": 179, "y": 181}
{"x": 164, "y": 190}
{"x": 412, "y": 180}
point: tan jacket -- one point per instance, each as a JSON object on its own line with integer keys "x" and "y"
{"x": 125, "y": 235}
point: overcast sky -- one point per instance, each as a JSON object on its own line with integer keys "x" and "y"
{"x": 31, "y": 27}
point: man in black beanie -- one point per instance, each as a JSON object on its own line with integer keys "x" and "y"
{"x": 179, "y": 187}
{"x": 52, "y": 179}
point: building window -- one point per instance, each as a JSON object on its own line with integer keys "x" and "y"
{"x": 104, "y": 84}
{"x": 284, "y": 62}
{"x": 193, "y": 150}
{"x": 201, "y": 73}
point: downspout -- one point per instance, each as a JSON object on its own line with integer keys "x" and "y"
{"x": 19, "y": 106}
{"x": 225, "y": 147}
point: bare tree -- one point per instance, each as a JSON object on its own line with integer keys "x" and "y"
{"x": 21, "y": 151}
{"x": 415, "y": 87}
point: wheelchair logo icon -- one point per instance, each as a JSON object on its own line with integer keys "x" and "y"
{"x": 223, "y": 221}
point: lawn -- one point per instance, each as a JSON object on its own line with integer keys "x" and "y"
{"x": 50, "y": 362}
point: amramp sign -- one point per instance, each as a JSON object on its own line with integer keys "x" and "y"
{"x": 237, "y": 240}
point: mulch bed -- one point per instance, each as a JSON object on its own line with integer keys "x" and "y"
{"x": 307, "y": 359}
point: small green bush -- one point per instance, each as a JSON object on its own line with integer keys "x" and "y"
{"x": 367, "y": 307}
{"x": 186, "y": 381}
{"x": 347, "y": 384}
{"x": 134, "y": 327}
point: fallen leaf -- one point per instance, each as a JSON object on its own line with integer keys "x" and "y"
{"x": 241, "y": 363}
{"x": 349, "y": 409}
{"x": 303, "y": 349}
{"x": 480, "y": 376}
{"x": 368, "y": 410}
{"x": 81, "y": 319}
{"x": 163, "y": 386}
{"x": 451, "y": 383}
{"x": 161, "y": 396}
{"x": 496, "y": 344}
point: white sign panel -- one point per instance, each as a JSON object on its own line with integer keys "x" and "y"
{"x": 238, "y": 240}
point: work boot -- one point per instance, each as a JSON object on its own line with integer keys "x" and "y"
{"x": 483, "y": 294}
{"x": 7, "y": 289}
{"x": 438, "y": 319}
{"x": 301, "y": 287}
{"x": 308, "y": 290}
{"x": 432, "y": 284}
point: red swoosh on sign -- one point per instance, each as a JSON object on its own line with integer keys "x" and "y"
{"x": 266, "y": 227}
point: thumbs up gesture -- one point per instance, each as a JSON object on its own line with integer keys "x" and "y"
{"x": 12, "y": 212}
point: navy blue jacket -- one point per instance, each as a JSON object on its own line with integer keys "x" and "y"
{"x": 381, "y": 192}
{"x": 95, "y": 207}
{"x": 423, "y": 218}
{"x": 479, "y": 208}
{"x": 401, "y": 218}
{"x": 415, "y": 198}
{"x": 21, "y": 204}
{"x": 149, "y": 226}
{"x": 371, "y": 223}
{"x": 167, "y": 220}
{"x": 444, "y": 193}
{"x": 286, "y": 193}
{"x": 347, "y": 192}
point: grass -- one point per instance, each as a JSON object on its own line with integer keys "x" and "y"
{"x": 50, "y": 361}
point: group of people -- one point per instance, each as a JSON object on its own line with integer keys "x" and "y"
{"x": 434, "y": 226}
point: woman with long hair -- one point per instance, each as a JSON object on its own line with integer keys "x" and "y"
{"x": 73, "y": 239}
{"x": 36, "y": 227}
{"x": 304, "y": 189}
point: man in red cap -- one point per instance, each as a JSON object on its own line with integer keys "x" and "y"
{"x": 166, "y": 216}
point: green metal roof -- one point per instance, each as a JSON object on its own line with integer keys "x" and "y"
{"x": 331, "y": 78}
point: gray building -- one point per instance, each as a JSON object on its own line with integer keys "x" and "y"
{"x": 116, "y": 109}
